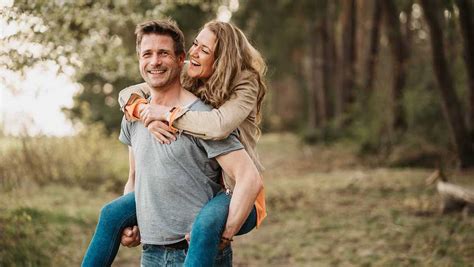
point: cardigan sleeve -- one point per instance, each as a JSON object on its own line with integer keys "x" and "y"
{"x": 130, "y": 94}
{"x": 220, "y": 122}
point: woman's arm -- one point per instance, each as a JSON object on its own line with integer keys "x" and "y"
{"x": 219, "y": 123}
{"x": 130, "y": 185}
{"x": 130, "y": 97}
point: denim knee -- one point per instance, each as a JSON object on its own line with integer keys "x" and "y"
{"x": 109, "y": 212}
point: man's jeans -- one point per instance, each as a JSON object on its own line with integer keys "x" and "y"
{"x": 205, "y": 236}
{"x": 155, "y": 255}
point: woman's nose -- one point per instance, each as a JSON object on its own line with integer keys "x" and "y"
{"x": 193, "y": 51}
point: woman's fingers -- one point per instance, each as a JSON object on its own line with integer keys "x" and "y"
{"x": 161, "y": 132}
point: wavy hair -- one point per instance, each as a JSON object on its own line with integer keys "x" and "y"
{"x": 233, "y": 54}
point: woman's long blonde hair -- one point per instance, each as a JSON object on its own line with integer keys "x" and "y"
{"x": 233, "y": 55}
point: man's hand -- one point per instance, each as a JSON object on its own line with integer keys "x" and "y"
{"x": 188, "y": 237}
{"x": 152, "y": 112}
{"x": 130, "y": 237}
{"x": 161, "y": 132}
{"x": 225, "y": 242}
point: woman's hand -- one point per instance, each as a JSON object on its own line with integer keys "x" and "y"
{"x": 161, "y": 132}
{"x": 152, "y": 112}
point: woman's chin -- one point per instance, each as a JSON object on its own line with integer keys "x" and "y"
{"x": 193, "y": 74}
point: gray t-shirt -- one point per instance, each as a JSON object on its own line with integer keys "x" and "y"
{"x": 173, "y": 182}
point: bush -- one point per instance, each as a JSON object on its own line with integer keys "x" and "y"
{"x": 28, "y": 238}
{"x": 91, "y": 159}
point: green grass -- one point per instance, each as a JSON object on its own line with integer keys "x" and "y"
{"x": 325, "y": 209}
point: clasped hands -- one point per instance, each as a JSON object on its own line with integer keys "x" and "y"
{"x": 152, "y": 116}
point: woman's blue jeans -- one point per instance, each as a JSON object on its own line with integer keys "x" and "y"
{"x": 205, "y": 235}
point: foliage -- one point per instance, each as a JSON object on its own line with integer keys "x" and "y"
{"x": 30, "y": 238}
{"x": 97, "y": 39}
{"x": 325, "y": 207}
{"x": 92, "y": 159}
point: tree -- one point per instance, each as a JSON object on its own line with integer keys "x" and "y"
{"x": 97, "y": 39}
{"x": 399, "y": 54}
{"x": 466, "y": 21}
{"x": 451, "y": 106}
{"x": 373, "y": 46}
{"x": 345, "y": 94}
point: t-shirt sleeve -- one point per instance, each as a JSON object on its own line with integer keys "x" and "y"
{"x": 216, "y": 148}
{"x": 125, "y": 136}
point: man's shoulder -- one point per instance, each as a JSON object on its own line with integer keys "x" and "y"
{"x": 199, "y": 105}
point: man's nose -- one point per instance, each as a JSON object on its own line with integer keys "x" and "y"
{"x": 155, "y": 60}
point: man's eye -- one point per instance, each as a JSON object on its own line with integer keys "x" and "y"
{"x": 195, "y": 43}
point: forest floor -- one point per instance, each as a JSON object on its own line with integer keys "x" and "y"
{"x": 325, "y": 208}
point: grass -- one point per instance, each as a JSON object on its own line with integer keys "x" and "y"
{"x": 325, "y": 209}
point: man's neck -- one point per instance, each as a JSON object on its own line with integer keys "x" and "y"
{"x": 172, "y": 95}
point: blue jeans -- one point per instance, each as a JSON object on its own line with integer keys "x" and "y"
{"x": 207, "y": 230}
{"x": 155, "y": 255}
{"x": 205, "y": 237}
{"x": 114, "y": 217}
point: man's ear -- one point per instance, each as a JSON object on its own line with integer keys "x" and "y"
{"x": 181, "y": 58}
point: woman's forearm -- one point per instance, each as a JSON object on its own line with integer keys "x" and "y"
{"x": 242, "y": 203}
{"x": 220, "y": 122}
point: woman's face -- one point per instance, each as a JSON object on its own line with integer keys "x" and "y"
{"x": 201, "y": 55}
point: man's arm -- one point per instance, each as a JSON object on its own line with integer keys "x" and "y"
{"x": 130, "y": 235}
{"x": 130, "y": 185}
{"x": 248, "y": 184}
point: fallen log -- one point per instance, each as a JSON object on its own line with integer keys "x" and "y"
{"x": 454, "y": 197}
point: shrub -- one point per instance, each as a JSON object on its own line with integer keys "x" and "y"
{"x": 91, "y": 159}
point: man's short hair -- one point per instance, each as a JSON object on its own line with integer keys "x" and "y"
{"x": 166, "y": 27}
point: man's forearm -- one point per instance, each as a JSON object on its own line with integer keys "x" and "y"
{"x": 129, "y": 187}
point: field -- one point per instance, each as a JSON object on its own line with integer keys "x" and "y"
{"x": 326, "y": 208}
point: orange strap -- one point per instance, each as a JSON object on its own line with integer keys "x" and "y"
{"x": 132, "y": 108}
{"x": 260, "y": 206}
{"x": 174, "y": 111}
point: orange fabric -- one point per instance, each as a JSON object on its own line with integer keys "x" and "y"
{"x": 260, "y": 207}
{"x": 132, "y": 108}
{"x": 173, "y": 111}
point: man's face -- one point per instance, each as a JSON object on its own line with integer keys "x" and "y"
{"x": 159, "y": 65}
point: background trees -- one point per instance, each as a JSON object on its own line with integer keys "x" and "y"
{"x": 384, "y": 74}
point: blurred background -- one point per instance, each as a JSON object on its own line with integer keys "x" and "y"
{"x": 366, "y": 99}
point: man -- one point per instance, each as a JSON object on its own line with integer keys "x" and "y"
{"x": 173, "y": 182}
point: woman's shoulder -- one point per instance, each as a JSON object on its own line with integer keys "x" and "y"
{"x": 247, "y": 75}
{"x": 246, "y": 80}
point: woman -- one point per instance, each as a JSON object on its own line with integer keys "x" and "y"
{"x": 226, "y": 72}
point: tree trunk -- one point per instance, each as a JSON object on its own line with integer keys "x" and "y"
{"x": 348, "y": 52}
{"x": 330, "y": 57}
{"x": 399, "y": 54}
{"x": 449, "y": 98}
{"x": 311, "y": 79}
{"x": 467, "y": 30}
{"x": 373, "y": 47}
